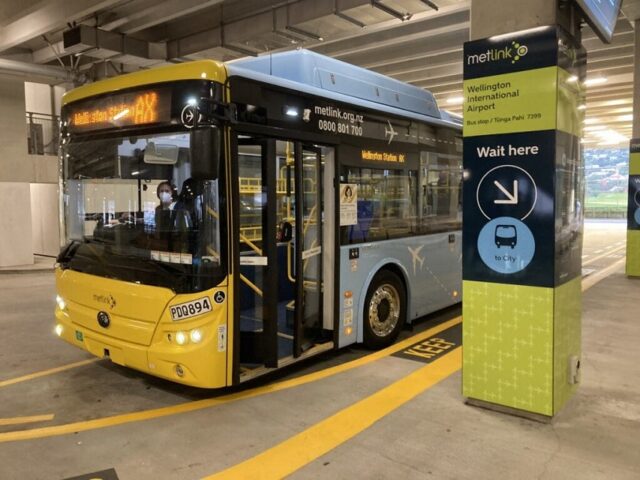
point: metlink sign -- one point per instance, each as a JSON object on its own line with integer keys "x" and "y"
{"x": 522, "y": 225}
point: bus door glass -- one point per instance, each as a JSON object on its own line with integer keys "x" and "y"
{"x": 258, "y": 289}
{"x": 309, "y": 243}
{"x": 281, "y": 249}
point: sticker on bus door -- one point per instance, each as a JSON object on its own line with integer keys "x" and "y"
{"x": 190, "y": 309}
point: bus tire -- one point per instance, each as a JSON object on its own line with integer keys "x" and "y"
{"x": 384, "y": 310}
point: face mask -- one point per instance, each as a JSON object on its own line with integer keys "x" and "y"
{"x": 165, "y": 197}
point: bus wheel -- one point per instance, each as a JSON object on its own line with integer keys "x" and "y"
{"x": 384, "y": 310}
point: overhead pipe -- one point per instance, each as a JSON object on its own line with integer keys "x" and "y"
{"x": 42, "y": 71}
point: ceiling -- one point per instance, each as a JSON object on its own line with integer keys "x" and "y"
{"x": 405, "y": 39}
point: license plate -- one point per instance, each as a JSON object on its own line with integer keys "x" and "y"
{"x": 190, "y": 309}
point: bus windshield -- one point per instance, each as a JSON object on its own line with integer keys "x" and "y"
{"x": 134, "y": 212}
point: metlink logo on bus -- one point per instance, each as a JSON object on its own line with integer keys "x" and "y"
{"x": 513, "y": 53}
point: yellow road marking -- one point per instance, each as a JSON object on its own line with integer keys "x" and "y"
{"x": 605, "y": 254}
{"x": 301, "y": 449}
{"x": 21, "y": 420}
{"x": 44, "y": 373}
{"x": 55, "y": 430}
{"x": 600, "y": 275}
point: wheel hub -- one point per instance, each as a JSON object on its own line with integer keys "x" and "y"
{"x": 384, "y": 310}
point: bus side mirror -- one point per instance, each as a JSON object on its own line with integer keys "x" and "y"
{"x": 205, "y": 153}
{"x": 285, "y": 232}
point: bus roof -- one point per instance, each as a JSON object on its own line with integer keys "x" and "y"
{"x": 300, "y": 70}
{"x": 311, "y": 72}
{"x": 200, "y": 69}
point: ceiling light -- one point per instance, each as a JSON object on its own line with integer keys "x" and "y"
{"x": 291, "y": 111}
{"x": 455, "y": 100}
{"x": 611, "y": 137}
{"x": 610, "y": 103}
{"x": 391, "y": 11}
{"x": 504, "y": 36}
{"x": 625, "y": 118}
{"x": 589, "y": 82}
{"x": 588, "y": 121}
{"x": 572, "y": 79}
{"x": 304, "y": 33}
{"x": 582, "y": 107}
{"x": 622, "y": 110}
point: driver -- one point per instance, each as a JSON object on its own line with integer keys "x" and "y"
{"x": 163, "y": 215}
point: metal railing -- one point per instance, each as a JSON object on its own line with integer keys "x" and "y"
{"x": 606, "y": 211}
{"x": 43, "y": 132}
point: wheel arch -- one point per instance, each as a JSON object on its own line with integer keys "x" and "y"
{"x": 394, "y": 266}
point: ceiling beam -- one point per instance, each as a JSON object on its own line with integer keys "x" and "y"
{"x": 430, "y": 27}
{"x": 164, "y": 12}
{"x": 51, "y": 15}
{"x": 239, "y": 31}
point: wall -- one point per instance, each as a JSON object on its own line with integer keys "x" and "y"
{"x": 16, "y": 165}
{"x": 45, "y": 224}
{"x": 18, "y": 170}
{"x": 15, "y": 241}
{"x": 37, "y": 97}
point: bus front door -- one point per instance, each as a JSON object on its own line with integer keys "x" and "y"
{"x": 308, "y": 235}
{"x": 279, "y": 228}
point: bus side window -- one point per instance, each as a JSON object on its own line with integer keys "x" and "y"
{"x": 441, "y": 190}
{"x": 387, "y": 203}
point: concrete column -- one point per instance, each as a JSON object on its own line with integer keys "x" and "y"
{"x": 496, "y": 17}
{"x": 18, "y": 170}
{"x": 636, "y": 83}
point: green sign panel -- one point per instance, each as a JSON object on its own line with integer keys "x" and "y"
{"x": 633, "y": 211}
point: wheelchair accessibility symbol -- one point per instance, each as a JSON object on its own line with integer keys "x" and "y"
{"x": 218, "y": 297}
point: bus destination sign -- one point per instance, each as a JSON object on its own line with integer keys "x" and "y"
{"x": 123, "y": 110}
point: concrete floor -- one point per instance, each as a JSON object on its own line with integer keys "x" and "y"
{"x": 434, "y": 435}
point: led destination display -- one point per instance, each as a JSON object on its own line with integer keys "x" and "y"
{"x": 127, "y": 109}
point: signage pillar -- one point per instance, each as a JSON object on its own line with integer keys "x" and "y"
{"x": 633, "y": 210}
{"x": 633, "y": 206}
{"x": 523, "y": 215}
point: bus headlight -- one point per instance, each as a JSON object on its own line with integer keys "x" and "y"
{"x": 181, "y": 338}
{"x": 196, "y": 335}
{"x": 61, "y": 303}
{"x": 59, "y": 329}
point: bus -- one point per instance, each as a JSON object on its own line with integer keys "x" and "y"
{"x": 222, "y": 220}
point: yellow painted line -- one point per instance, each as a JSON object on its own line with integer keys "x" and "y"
{"x": 600, "y": 275}
{"x": 44, "y": 373}
{"x": 21, "y": 420}
{"x": 605, "y": 254}
{"x": 212, "y": 402}
{"x": 301, "y": 449}
{"x": 296, "y": 452}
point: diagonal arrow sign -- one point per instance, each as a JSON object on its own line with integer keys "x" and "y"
{"x": 512, "y": 198}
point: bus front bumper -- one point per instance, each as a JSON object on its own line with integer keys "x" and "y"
{"x": 195, "y": 365}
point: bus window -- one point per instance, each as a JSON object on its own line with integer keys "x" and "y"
{"x": 137, "y": 213}
{"x": 441, "y": 192}
{"x": 387, "y": 204}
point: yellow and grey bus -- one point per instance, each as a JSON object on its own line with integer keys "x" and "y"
{"x": 224, "y": 220}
